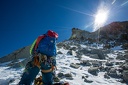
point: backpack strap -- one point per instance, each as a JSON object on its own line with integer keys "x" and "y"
{"x": 32, "y": 47}
{"x": 35, "y": 44}
{"x": 38, "y": 40}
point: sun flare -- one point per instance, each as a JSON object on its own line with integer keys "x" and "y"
{"x": 100, "y": 18}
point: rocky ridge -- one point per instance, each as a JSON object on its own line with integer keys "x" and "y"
{"x": 113, "y": 34}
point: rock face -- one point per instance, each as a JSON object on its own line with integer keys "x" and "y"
{"x": 15, "y": 58}
{"x": 80, "y": 34}
{"x": 116, "y": 31}
{"x": 18, "y": 54}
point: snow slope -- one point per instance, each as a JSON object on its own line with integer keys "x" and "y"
{"x": 11, "y": 76}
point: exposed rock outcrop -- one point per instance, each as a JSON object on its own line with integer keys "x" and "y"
{"x": 115, "y": 31}
{"x": 18, "y": 54}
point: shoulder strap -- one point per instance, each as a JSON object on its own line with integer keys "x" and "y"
{"x": 32, "y": 46}
{"x": 38, "y": 40}
{"x": 35, "y": 43}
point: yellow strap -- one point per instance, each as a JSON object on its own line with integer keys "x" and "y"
{"x": 32, "y": 46}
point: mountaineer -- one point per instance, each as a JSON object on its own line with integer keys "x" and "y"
{"x": 43, "y": 51}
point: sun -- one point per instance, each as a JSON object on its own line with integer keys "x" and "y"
{"x": 100, "y": 18}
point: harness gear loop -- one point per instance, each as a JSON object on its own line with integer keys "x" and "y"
{"x": 42, "y": 58}
{"x": 39, "y": 58}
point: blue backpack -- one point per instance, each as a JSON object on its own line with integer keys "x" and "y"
{"x": 46, "y": 44}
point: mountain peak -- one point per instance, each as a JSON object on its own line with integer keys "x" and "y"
{"x": 113, "y": 31}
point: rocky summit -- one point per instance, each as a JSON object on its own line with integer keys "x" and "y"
{"x": 113, "y": 34}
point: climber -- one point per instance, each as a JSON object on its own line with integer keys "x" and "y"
{"x": 43, "y": 52}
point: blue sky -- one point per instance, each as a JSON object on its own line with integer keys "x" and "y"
{"x": 21, "y": 21}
